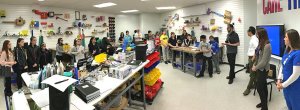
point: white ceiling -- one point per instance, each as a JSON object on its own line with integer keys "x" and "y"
{"x": 143, "y": 6}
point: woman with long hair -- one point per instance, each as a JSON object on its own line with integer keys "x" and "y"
{"x": 34, "y": 53}
{"x": 262, "y": 66}
{"x": 78, "y": 50}
{"x": 94, "y": 47}
{"x": 20, "y": 58}
{"x": 288, "y": 78}
{"x": 7, "y": 60}
{"x": 121, "y": 38}
{"x": 59, "y": 49}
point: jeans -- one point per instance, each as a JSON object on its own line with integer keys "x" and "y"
{"x": 165, "y": 51}
{"x": 210, "y": 68}
{"x": 216, "y": 60}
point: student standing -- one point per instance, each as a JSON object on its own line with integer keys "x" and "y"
{"x": 173, "y": 44}
{"x": 188, "y": 42}
{"x": 215, "y": 53}
{"x": 251, "y": 51}
{"x": 232, "y": 42}
{"x": 59, "y": 49}
{"x": 7, "y": 60}
{"x": 138, "y": 37}
{"x": 107, "y": 47}
{"x": 128, "y": 38}
{"x": 94, "y": 47}
{"x": 20, "y": 58}
{"x": 288, "y": 78}
{"x": 183, "y": 36}
{"x": 150, "y": 35}
{"x": 165, "y": 46}
{"x": 157, "y": 42}
{"x": 262, "y": 66}
{"x": 77, "y": 50}
{"x": 207, "y": 56}
{"x": 121, "y": 38}
{"x": 33, "y": 51}
{"x": 46, "y": 56}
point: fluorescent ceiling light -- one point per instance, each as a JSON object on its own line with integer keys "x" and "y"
{"x": 129, "y": 11}
{"x": 166, "y": 8}
{"x": 41, "y": 0}
{"x": 102, "y": 5}
{"x": 145, "y": 0}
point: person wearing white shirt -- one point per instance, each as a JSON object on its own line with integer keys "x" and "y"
{"x": 207, "y": 56}
{"x": 78, "y": 50}
{"x": 251, "y": 51}
{"x": 138, "y": 37}
{"x": 288, "y": 78}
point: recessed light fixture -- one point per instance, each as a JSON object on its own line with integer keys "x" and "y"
{"x": 145, "y": 0}
{"x": 129, "y": 11}
{"x": 41, "y": 0}
{"x": 166, "y": 8}
{"x": 102, "y": 5}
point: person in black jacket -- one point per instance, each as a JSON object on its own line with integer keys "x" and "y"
{"x": 33, "y": 52}
{"x": 94, "y": 47}
{"x": 46, "y": 56}
{"x": 106, "y": 47}
{"x": 20, "y": 58}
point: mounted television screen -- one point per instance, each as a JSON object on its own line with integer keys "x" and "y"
{"x": 276, "y": 36}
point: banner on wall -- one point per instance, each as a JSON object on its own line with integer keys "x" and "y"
{"x": 274, "y": 6}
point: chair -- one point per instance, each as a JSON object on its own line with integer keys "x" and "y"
{"x": 271, "y": 78}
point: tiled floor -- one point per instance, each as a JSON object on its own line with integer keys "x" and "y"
{"x": 182, "y": 91}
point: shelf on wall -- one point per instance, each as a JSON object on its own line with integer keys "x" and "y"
{"x": 194, "y": 16}
{"x": 192, "y": 24}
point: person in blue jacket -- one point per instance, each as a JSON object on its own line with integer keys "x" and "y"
{"x": 215, "y": 53}
{"x": 288, "y": 78}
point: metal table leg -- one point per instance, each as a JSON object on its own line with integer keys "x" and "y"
{"x": 183, "y": 65}
{"x": 181, "y": 59}
{"x": 143, "y": 88}
{"x": 194, "y": 64}
{"x": 172, "y": 52}
{"x": 129, "y": 95}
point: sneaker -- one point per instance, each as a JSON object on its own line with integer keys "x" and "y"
{"x": 258, "y": 105}
{"x": 8, "y": 93}
{"x": 230, "y": 81}
{"x": 200, "y": 76}
{"x": 169, "y": 61}
{"x": 229, "y": 78}
{"x": 247, "y": 92}
{"x": 218, "y": 72}
{"x": 166, "y": 62}
{"x": 210, "y": 75}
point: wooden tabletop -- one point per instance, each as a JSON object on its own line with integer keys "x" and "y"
{"x": 187, "y": 50}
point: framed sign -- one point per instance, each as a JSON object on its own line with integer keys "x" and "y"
{"x": 77, "y": 15}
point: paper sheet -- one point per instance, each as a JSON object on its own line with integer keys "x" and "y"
{"x": 41, "y": 98}
{"x": 79, "y": 104}
{"x": 107, "y": 83}
{"x": 19, "y": 101}
{"x": 61, "y": 86}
